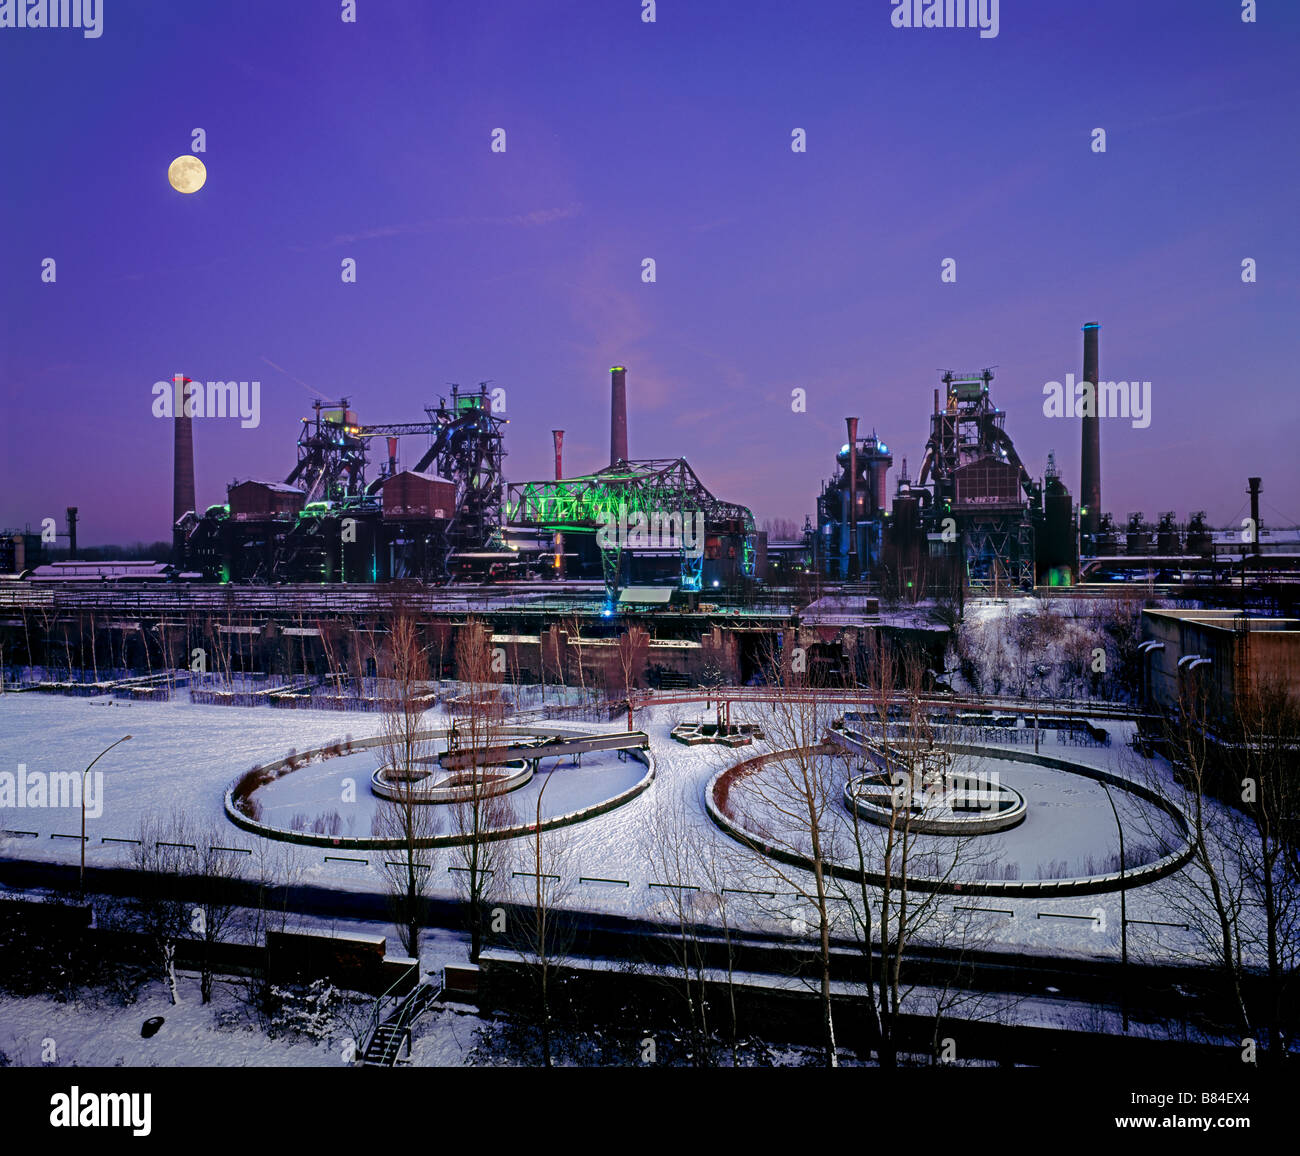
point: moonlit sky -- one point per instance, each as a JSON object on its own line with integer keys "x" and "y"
{"x": 670, "y": 140}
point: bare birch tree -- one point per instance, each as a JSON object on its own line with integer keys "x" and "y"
{"x": 407, "y": 751}
{"x": 792, "y": 804}
{"x": 543, "y": 931}
{"x": 480, "y": 808}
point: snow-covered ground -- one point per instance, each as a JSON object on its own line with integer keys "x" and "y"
{"x": 341, "y": 787}
{"x": 94, "y": 1030}
{"x": 1069, "y": 830}
{"x": 1048, "y": 648}
{"x": 183, "y": 757}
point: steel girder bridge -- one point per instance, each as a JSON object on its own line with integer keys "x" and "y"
{"x": 658, "y": 490}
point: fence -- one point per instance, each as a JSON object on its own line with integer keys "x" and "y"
{"x": 1066, "y": 732}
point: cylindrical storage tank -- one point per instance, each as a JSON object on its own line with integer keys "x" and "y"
{"x": 1168, "y": 540}
{"x": 1137, "y": 538}
{"x": 1058, "y": 529}
{"x": 1199, "y": 540}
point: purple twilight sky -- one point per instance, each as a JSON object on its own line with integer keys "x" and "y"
{"x": 670, "y": 140}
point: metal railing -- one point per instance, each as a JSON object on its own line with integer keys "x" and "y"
{"x": 376, "y": 1016}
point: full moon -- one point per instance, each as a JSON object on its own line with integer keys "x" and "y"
{"x": 187, "y": 173}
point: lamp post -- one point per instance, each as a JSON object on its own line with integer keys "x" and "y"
{"x": 1123, "y": 912}
{"x": 82, "y": 882}
{"x": 543, "y": 957}
{"x": 1186, "y": 665}
{"x": 1147, "y": 649}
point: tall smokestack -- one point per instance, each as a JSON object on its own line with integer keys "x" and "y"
{"x": 558, "y": 436}
{"x": 1254, "y": 513}
{"x": 617, "y": 415}
{"x": 72, "y": 534}
{"x": 1090, "y": 451}
{"x": 852, "y": 423}
{"x": 182, "y": 465}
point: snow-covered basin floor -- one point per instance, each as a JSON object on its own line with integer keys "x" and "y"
{"x": 341, "y": 787}
{"x": 183, "y": 757}
{"x": 1069, "y": 829}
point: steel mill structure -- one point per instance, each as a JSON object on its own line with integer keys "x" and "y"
{"x": 327, "y": 522}
{"x": 451, "y": 515}
{"x": 427, "y": 502}
{"x": 973, "y": 519}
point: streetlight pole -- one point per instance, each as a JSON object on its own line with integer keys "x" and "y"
{"x": 1123, "y": 912}
{"x": 540, "y": 922}
{"x": 82, "y": 882}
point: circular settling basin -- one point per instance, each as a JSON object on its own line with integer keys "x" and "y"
{"x": 941, "y": 802}
{"x": 985, "y": 819}
{"x": 431, "y": 783}
{"x": 335, "y": 797}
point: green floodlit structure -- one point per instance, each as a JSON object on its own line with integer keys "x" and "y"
{"x": 663, "y": 492}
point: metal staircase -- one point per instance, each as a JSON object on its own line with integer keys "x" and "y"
{"x": 386, "y": 1043}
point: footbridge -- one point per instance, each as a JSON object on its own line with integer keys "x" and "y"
{"x": 554, "y": 746}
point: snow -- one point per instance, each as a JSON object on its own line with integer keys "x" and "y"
{"x": 184, "y": 756}
{"x": 1069, "y": 830}
{"x": 87, "y": 1033}
{"x": 319, "y": 791}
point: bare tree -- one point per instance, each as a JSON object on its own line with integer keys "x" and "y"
{"x": 407, "y": 752}
{"x": 895, "y": 726}
{"x": 631, "y": 654}
{"x": 668, "y": 845}
{"x": 480, "y": 808}
{"x": 212, "y": 869}
{"x": 272, "y": 868}
{"x": 1262, "y": 764}
{"x": 697, "y": 871}
{"x": 791, "y": 803}
{"x": 544, "y": 933}
{"x": 1209, "y": 895}
{"x": 162, "y": 851}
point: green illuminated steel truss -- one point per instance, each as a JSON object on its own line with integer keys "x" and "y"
{"x": 657, "y": 487}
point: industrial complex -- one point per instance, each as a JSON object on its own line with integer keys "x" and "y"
{"x": 429, "y": 502}
{"x": 649, "y": 611}
{"x": 365, "y": 512}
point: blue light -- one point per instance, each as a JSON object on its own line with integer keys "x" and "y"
{"x": 607, "y": 613}
{"x": 715, "y": 582}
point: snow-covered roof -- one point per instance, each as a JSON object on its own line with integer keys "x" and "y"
{"x": 277, "y": 487}
{"x": 422, "y": 476}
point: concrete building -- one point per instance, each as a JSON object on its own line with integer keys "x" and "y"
{"x": 1227, "y": 651}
